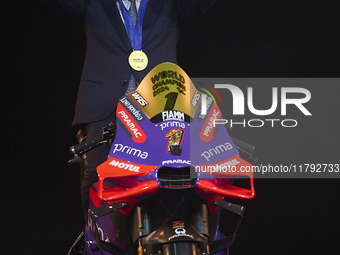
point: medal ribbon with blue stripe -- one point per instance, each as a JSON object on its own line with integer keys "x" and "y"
{"x": 134, "y": 32}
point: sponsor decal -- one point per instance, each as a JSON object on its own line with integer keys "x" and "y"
{"x": 172, "y": 124}
{"x": 167, "y": 115}
{"x": 177, "y": 224}
{"x": 130, "y": 151}
{"x": 175, "y": 137}
{"x": 90, "y": 226}
{"x": 139, "y": 99}
{"x": 230, "y": 163}
{"x": 180, "y": 231}
{"x": 129, "y": 122}
{"x": 207, "y": 131}
{"x": 209, "y": 101}
{"x": 130, "y": 167}
{"x": 165, "y": 79}
{"x": 132, "y": 109}
{"x": 216, "y": 150}
{"x": 176, "y": 161}
{"x": 195, "y": 98}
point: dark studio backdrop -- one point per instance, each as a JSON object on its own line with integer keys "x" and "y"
{"x": 42, "y": 57}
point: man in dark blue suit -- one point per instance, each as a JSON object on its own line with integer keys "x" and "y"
{"x": 107, "y": 73}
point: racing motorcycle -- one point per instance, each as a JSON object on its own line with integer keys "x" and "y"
{"x": 170, "y": 167}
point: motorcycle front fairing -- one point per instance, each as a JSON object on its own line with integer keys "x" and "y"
{"x": 161, "y": 129}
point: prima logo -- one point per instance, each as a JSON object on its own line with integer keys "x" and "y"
{"x": 216, "y": 150}
{"x": 172, "y": 124}
{"x": 130, "y": 151}
{"x": 166, "y": 115}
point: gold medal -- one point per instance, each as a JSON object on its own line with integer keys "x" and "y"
{"x": 138, "y": 60}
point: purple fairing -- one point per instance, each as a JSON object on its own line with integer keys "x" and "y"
{"x": 153, "y": 151}
{"x": 106, "y": 230}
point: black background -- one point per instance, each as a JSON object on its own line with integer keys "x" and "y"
{"x": 42, "y": 62}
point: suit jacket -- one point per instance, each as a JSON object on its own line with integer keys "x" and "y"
{"x": 106, "y": 70}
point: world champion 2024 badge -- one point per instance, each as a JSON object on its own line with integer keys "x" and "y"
{"x": 138, "y": 60}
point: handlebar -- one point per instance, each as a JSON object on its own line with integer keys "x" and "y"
{"x": 78, "y": 150}
{"x": 109, "y": 134}
{"x": 245, "y": 147}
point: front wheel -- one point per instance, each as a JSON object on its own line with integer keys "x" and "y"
{"x": 181, "y": 248}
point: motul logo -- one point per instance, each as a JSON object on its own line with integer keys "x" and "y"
{"x": 125, "y": 166}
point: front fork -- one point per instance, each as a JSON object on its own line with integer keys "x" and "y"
{"x": 142, "y": 227}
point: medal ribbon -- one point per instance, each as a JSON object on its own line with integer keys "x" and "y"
{"x": 135, "y": 32}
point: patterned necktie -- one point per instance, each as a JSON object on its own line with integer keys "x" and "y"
{"x": 133, "y": 11}
{"x": 133, "y": 14}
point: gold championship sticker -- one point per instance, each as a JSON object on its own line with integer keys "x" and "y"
{"x": 138, "y": 60}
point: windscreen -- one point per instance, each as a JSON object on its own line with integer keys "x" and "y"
{"x": 166, "y": 90}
